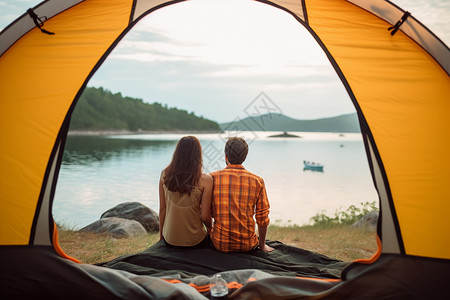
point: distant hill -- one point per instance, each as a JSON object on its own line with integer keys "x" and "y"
{"x": 279, "y": 122}
{"x": 99, "y": 109}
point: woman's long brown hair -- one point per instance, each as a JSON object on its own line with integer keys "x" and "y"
{"x": 185, "y": 169}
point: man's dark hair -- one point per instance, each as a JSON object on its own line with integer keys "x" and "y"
{"x": 236, "y": 150}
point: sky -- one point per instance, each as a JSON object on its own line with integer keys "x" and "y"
{"x": 226, "y": 59}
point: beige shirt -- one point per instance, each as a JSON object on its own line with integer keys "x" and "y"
{"x": 183, "y": 225}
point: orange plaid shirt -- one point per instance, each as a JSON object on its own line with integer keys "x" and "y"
{"x": 239, "y": 197}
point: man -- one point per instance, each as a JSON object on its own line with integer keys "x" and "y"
{"x": 239, "y": 197}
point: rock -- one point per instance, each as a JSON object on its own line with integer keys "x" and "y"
{"x": 116, "y": 227}
{"x": 135, "y": 211}
{"x": 369, "y": 221}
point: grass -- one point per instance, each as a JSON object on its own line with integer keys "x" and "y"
{"x": 93, "y": 248}
{"x": 341, "y": 242}
{"x": 331, "y": 236}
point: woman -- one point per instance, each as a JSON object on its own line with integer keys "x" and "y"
{"x": 185, "y": 197}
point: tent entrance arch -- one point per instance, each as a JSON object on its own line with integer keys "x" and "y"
{"x": 67, "y": 192}
{"x": 394, "y": 80}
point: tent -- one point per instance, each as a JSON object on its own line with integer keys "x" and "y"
{"x": 395, "y": 70}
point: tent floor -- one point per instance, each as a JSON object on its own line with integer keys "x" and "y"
{"x": 40, "y": 273}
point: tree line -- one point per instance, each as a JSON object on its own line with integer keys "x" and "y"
{"x": 100, "y": 109}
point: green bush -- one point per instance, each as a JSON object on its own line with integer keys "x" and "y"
{"x": 344, "y": 217}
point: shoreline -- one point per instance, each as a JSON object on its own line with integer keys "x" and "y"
{"x": 140, "y": 132}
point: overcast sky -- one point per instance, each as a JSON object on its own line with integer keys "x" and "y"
{"x": 215, "y": 58}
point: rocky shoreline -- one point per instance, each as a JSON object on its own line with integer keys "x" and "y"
{"x": 130, "y": 219}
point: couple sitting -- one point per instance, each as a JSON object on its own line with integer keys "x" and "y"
{"x": 234, "y": 196}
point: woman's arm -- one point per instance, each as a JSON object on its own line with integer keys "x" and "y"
{"x": 206, "y": 182}
{"x": 162, "y": 206}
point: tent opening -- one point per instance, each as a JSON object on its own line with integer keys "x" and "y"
{"x": 248, "y": 77}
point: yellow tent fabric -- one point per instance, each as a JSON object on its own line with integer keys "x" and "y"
{"x": 404, "y": 95}
{"x": 399, "y": 84}
{"x": 44, "y": 75}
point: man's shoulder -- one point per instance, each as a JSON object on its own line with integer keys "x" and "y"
{"x": 237, "y": 172}
{"x": 215, "y": 173}
{"x": 218, "y": 173}
{"x": 254, "y": 176}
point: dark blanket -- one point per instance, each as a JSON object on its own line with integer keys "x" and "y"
{"x": 164, "y": 261}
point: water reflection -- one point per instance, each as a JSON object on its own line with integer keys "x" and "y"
{"x": 84, "y": 150}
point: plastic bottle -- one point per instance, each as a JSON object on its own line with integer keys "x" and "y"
{"x": 219, "y": 288}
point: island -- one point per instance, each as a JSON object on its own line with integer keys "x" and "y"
{"x": 284, "y": 135}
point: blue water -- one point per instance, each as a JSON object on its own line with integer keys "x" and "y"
{"x": 99, "y": 172}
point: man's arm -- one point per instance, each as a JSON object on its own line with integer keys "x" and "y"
{"x": 262, "y": 218}
{"x": 262, "y": 231}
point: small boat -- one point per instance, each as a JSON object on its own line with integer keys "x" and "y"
{"x": 307, "y": 165}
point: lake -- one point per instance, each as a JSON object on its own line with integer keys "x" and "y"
{"x": 99, "y": 172}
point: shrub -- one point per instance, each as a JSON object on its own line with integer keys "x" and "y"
{"x": 344, "y": 217}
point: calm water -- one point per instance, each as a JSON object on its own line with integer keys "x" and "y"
{"x": 98, "y": 173}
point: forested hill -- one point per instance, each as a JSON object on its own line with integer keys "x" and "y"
{"x": 99, "y": 109}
